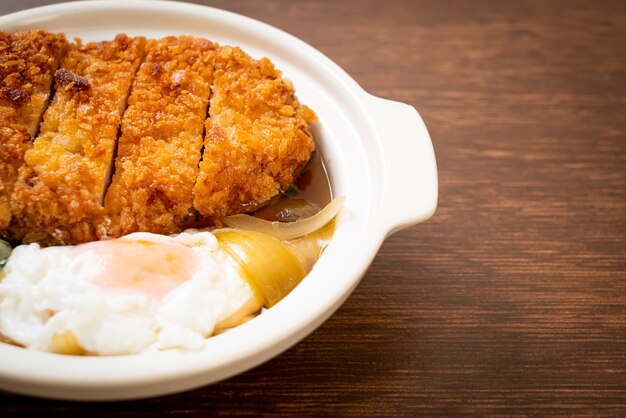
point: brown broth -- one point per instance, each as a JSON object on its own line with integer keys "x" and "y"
{"x": 312, "y": 193}
{"x": 313, "y": 183}
{"x": 7, "y": 340}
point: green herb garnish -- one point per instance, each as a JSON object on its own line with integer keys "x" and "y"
{"x": 292, "y": 190}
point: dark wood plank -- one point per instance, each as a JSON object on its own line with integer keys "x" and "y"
{"x": 512, "y": 299}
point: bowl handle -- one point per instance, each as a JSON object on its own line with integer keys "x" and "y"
{"x": 410, "y": 188}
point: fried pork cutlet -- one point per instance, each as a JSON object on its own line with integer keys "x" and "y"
{"x": 257, "y": 137}
{"x": 161, "y": 141}
{"x": 60, "y": 188}
{"x": 27, "y": 62}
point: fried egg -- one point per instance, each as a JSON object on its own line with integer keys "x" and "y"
{"x": 143, "y": 292}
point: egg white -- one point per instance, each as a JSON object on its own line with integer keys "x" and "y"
{"x": 41, "y": 298}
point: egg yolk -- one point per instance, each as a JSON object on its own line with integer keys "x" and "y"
{"x": 151, "y": 268}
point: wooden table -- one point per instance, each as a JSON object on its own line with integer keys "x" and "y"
{"x": 512, "y": 299}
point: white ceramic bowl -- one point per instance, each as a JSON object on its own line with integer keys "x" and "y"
{"x": 379, "y": 156}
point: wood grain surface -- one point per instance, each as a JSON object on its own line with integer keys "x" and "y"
{"x": 511, "y": 301}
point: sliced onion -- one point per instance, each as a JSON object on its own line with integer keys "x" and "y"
{"x": 66, "y": 343}
{"x": 245, "y": 312}
{"x": 287, "y": 230}
{"x": 310, "y": 247}
{"x": 270, "y": 268}
{"x": 287, "y": 209}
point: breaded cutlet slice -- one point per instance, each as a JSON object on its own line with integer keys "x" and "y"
{"x": 257, "y": 136}
{"x": 161, "y": 141}
{"x": 27, "y": 63}
{"x": 58, "y": 195}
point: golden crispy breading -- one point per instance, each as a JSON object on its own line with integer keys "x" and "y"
{"x": 159, "y": 150}
{"x": 59, "y": 191}
{"x": 14, "y": 142}
{"x": 27, "y": 62}
{"x": 257, "y": 136}
{"x": 256, "y": 141}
